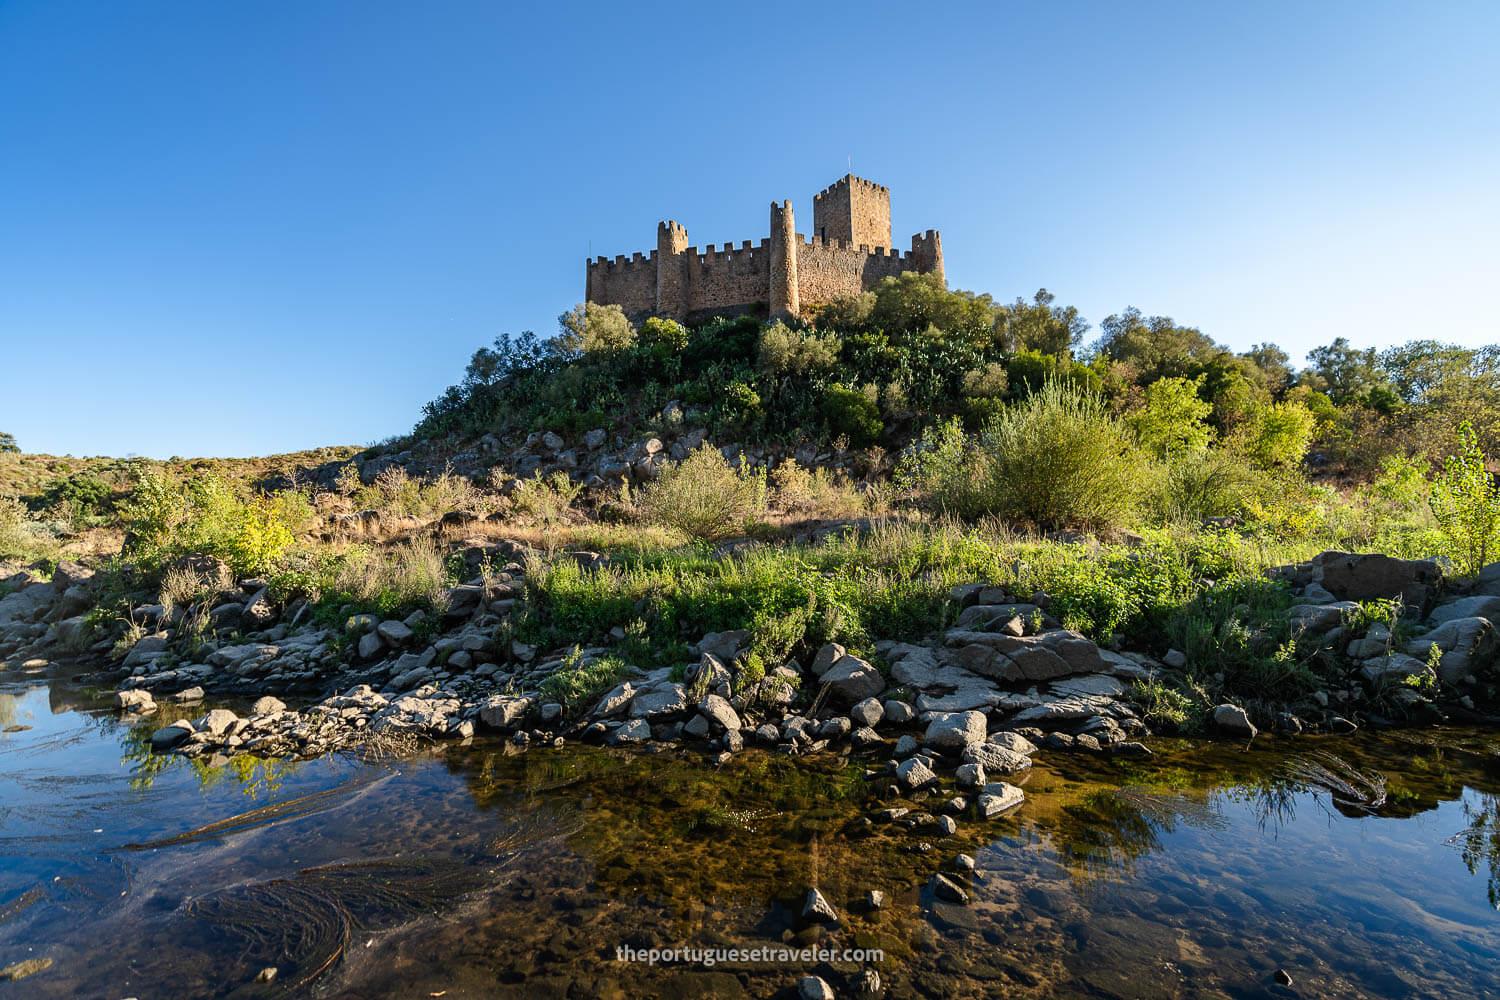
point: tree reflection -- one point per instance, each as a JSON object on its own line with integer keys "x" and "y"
{"x": 1480, "y": 841}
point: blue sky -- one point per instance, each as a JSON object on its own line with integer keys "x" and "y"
{"x": 235, "y": 229}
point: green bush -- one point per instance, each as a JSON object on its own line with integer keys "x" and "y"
{"x": 1277, "y": 435}
{"x": 1466, "y": 503}
{"x": 167, "y": 519}
{"x": 589, "y": 328}
{"x": 785, "y": 351}
{"x": 576, "y": 685}
{"x": 1194, "y": 486}
{"x": 1059, "y": 459}
{"x": 1170, "y": 419}
{"x": 853, "y": 414}
{"x": 703, "y": 497}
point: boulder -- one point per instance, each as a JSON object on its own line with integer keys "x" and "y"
{"x": 1233, "y": 719}
{"x": 825, "y": 658}
{"x": 725, "y": 646}
{"x": 634, "y": 731}
{"x": 995, "y": 759}
{"x": 394, "y": 634}
{"x": 815, "y": 907}
{"x": 1353, "y": 576}
{"x": 867, "y": 712}
{"x": 1013, "y": 742}
{"x": 659, "y": 703}
{"x": 504, "y": 711}
{"x": 137, "y": 700}
{"x": 1481, "y": 606}
{"x": 853, "y": 680}
{"x": 998, "y": 797}
{"x": 168, "y": 737}
{"x": 718, "y": 711}
{"x": 216, "y": 722}
{"x": 955, "y": 730}
{"x": 814, "y": 988}
{"x": 1467, "y": 646}
{"x": 369, "y": 646}
{"x": 899, "y": 712}
{"x": 914, "y": 774}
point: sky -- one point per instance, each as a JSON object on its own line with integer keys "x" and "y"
{"x": 241, "y": 229}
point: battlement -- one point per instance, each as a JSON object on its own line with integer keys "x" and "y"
{"x": 848, "y": 252}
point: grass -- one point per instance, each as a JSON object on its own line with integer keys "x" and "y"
{"x": 577, "y": 684}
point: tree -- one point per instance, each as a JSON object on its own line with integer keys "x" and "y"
{"x": 1170, "y": 418}
{"x": 589, "y": 327}
{"x": 911, "y": 303}
{"x": 1040, "y": 326}
{"x": 1278, "y": 434}
{"x": 1155, "y": 346}
{"x": 1272, "y": 365}
{"x": 1344, "y": 372}
{"x": 8, "y": 444}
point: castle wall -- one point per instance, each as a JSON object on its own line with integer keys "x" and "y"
{"x": 731, "y": 277}
{"x": 827, "y": 270}
{"x": 628, "y": 283}
{"x": 854, "y": 210}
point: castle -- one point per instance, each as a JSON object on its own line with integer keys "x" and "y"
{"x": 849, "y": 253}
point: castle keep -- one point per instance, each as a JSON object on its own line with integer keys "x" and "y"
{"x": 848, "y": 252}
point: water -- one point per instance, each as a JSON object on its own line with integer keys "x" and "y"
{"x": 476, "y": 871}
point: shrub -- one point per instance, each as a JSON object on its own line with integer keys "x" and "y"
{"x": 15, "y": 533}
{"x": 942, "y": 470}
{"x": 808, "y": 491}
{"x": 8, "y": 444}
{"x": 854, "y": 414}
{"x": 1059, "y": 459}
{"x": 785, "y": 351}
{"x": 1466, "y": 503}
{"x": 1215, "y": 483}
{"x": 206, "y": 515}
{"x": 663, "y": 337}
{"x": 589, "y": 328}
{"x": 703, "y": 497}
{"x": 576, "y": 685}
{"x": 546, "y": 498}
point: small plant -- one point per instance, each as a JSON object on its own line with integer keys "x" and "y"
{"x": 853, "y": 413}
{"x": 1161, "y": 705}
{"x": 548, "y": 499}
{"x": 577, "y": 684}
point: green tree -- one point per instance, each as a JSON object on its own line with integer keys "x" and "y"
{"x": 1342, "y": 371}
{"x": 1155, "y": 346}
{"x": 911, "y": 303}
{"x": 1466, "y": 504}
{"x": 8, "y": 444}
{"x": 1277, "y": 434}
{"x": 1272, "y": 366}
{"x": 1170, "y": 418}
{"x": 588, "y": 328}
{"x": 1040, "y": 326}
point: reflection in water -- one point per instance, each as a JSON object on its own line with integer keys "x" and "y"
{"x": 478, "y": 871}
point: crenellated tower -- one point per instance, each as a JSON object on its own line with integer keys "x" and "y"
{"x": 671, "y": 270}
{"x": 854, "y": 210}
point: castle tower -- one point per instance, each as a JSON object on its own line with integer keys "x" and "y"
{"x": 927, "y": 248}
{"x": 784, "y": 299}
{"x": 671, "y": 270}
{"x": 854, "y": 209}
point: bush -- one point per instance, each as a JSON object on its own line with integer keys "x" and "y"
{"x": 703, "y": 497}
{"x": 1215, "y": 483}
{"x": 576, "y": 685}
{"x": 1059, "y": 459}
{"x": 784, "y": 351}
{"x": 206, "y": 515}
{"x": 814, "y": 491}
{"x": 548, "y": 499}
{"x": 854, "y": 414}
{"x": 1466, "y": 502}
{"x": 1277, "y": 435}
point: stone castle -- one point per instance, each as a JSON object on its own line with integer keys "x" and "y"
{"x": 849, "y": 252}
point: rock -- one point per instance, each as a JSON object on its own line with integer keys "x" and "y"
{"x": 906, "y": 746}
{"x": 718, "y": 711}
{"x": 914, "y": 774}
{"x": 268, "y": 706}
{"x": 136, "y": 700}
{"x": 267, "y": 975}
{"x": 1014, "y": 742}
{"x": 1466, "y": 644}
{"x": 817, "y": 909}
{"x": 503, "y": 711}
{"x": 899, "y": 712}
{"x": 550, "y": 712}
{"x": 725, "y": 646}
{"x": 145, "y": 649}
{"x": 1283, "y": 978}
{"x": 594, "y": 438}
{"x": 945, "y": 888}
{"x": 553, "y": 441}
{"x": 697, "y": 728}
{"x": 867, "y": 712}
{"x": 999, "y": 797}
{"x": 394, "y": 634}
{"x": 216, "y": 722}
{"x": 864, "y": 738}
{"x": 1397, "y": 666}
{"x": 370, "y": 645}
{"x": 187, "y": 695}
{"x": 996, "y": 759}
{"x": 634, "y": 731}
{"x": 168, "y": 737}
{"x": 31, "y": 966}
{"x": 616, "y": 700}
{"x": 1175, "y": 658}
{"x": 659, "y": 703}
{"x": 955, "y": 730}
{"x": 1351, "y": 576}
{"x": 874, "y": 899}
{"x": 1482, "y": 606}
{"x": 814, "y": 988}
{"x": 825, "y": 658}
{"x": 1318, "y": 617}
{"x": 970, "y": 776}
{"x": 834, "y": 729}
{"x": 1341, "y": 726}
{"x": 853, "y": 680}
{"x": 1233, "y": 719}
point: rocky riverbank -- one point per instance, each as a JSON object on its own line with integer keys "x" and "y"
{"x": 963, "y": 707}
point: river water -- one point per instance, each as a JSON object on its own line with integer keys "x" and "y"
{"x": 478, "y": 871}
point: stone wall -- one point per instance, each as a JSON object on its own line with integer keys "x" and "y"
{"x": 854, "y": 210}
{"x": 827, "y": 270}
{"x": 630, "y": 284}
